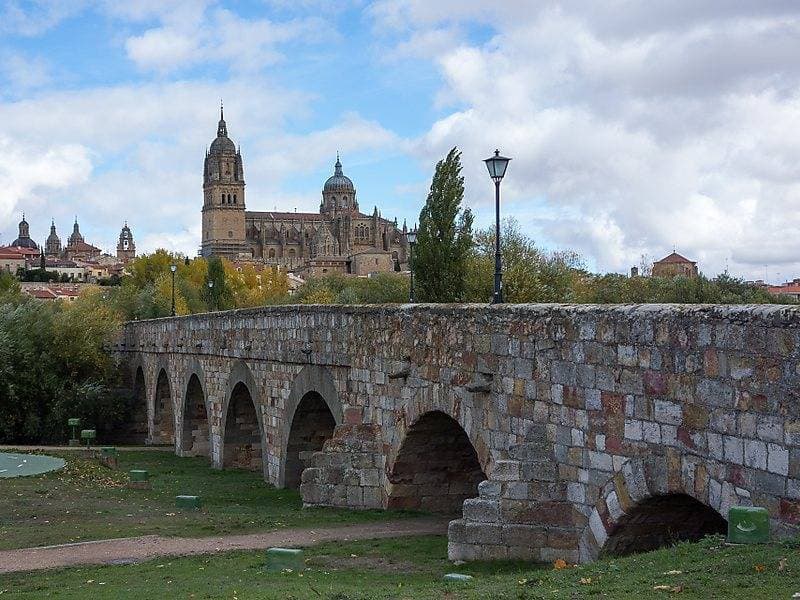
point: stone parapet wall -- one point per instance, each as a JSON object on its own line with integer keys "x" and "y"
{"x": 577, "y": 414}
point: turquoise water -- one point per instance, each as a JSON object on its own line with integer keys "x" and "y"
{"x": 18, "y": 465}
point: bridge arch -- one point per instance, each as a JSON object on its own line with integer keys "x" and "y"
{"x": 163, "y": 408}
{"x": 436, "y": 467}
{"x": 313, "y": 410}
{"x": 137, "y": 429}
{"x": 242, "y": 428}
{"x": 639, "y": 510}
{"x": 195, "y": 427}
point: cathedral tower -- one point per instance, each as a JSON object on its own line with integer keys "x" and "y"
{"x": 53, "y": 244}
{"x": 126, "y": 249}
{"x": 24, "y": 239}
{"x": 223, "y": 198}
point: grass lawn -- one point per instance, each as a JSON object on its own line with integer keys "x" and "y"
{"x": 412, "y": 568}
{"x": 86, "y": 501}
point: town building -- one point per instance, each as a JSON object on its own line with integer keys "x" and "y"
{"x": 339, "y": 238}
{"x": 790, "y": 288}
{"x": 77, "y": 260}
{"x": 675, "y": 265}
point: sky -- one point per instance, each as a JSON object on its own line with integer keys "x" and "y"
{"x": 635, "y": 128}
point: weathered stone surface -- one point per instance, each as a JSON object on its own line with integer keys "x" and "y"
{"x": 576, "y": 414}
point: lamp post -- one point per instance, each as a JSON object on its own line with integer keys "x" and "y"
{"x": 211, "y": 295}
{"x": 173, "y": 268}
{"x": 497, "y": 169}
{"x": 411, "y": 236}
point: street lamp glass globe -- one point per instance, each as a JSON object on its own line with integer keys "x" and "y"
{"x": 411, "y": 236}
{"x": 173, "y": 268}
{"x": 497, "y": 165}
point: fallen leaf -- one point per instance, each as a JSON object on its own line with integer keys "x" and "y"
{"x": 586, "y": 580}
{"x": 781, "y": 564}
{"x": 560, "y": 564}
{"x": 673, "y": 573}
{"x": 760, "y": 568}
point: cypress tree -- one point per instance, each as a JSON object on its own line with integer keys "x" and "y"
{"x": 444, "y": 238}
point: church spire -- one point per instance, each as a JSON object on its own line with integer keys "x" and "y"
{"x": 222, "y": 128}
{"x": 337, "y": 168}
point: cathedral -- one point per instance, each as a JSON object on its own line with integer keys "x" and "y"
{"x": 337, "y": 239}
{"x": 76, "y": 248}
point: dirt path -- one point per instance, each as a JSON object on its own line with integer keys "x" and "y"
{"x": 137, "y": 549}
{"x": 4, "y": 447}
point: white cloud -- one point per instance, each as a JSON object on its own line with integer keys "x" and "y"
{"x": 219, "y": 36}
{"x": 29, "y": 174}
{"x": 23, "y": 73}
{"x": 147, "y": 142}
{"x": 34, "y": 17}
{"x": 643, "y": 128}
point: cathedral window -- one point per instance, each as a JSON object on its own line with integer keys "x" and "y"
{"x": 223, "y": 199}
{"x": 291, "y": 253}
{"x": 229, "y": 198}
{"x": 272, "y": 252}
{"x": 234, "y": 198}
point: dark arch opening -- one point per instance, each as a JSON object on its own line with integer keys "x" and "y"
{"x": 436, "y": 468}
{"x": 242, "y": 445}
{"x": 136, "y": 432}
{"x": 195, "y": 440}
{"x": 312, "y": 424}
{"x": 662, "y": 521}
{"x": 163, "y": 419}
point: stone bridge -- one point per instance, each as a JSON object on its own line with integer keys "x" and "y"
{"x": 552, "y": 431}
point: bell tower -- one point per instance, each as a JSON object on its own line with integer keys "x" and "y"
{"x": 223, "y": 198}
{"x": 126, "y": 249}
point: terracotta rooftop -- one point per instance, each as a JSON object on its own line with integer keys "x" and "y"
{"x": 789, "y": 288}
{"x": 82, "y": 247}
{"x": 674, "y": 258}
{"x": 16, "y": 251}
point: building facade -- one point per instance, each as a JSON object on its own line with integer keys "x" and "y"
{"x": 337, "y": 239}
{"x": 126, "y": 249}
{"x": 675, "y": 265}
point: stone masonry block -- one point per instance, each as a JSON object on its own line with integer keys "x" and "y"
{"x": 482, "y": 533}
{"x": 489, "y": 489}
{"x": 481, "y": 511}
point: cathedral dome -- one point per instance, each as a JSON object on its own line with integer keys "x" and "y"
{"x": 339, "y": 182}
{"x": 222, "y": 143}
{"x": 24, "y": 240}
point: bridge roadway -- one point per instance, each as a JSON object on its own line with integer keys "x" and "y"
{"x": 551, "y": 431}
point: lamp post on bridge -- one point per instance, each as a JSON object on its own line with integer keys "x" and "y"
{"x": 411, "y": 236}
{"x": 497, "y": 169}
{"x": 173, "y": 268}
{"x": 211, "y": 295}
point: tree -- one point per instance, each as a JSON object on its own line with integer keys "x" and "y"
{"x": 9, "y": 285}
{"x": 53, "y": 366}
{"x": 444, "y": 238}
{"x": 529, "y": 274}
{"x": 219, "y": 296}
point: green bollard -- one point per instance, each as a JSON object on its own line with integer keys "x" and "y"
{"x": 109, "y": 457}
{"x": 139, "y": 479}
{"x": 748, "y": 525}
{"x": 187, "y": 502}
{"x": 284, "y": 559}
{"x": 88, "y": 435}
{"x": 461, "y": 578}
{"x": 73, "y": 424}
